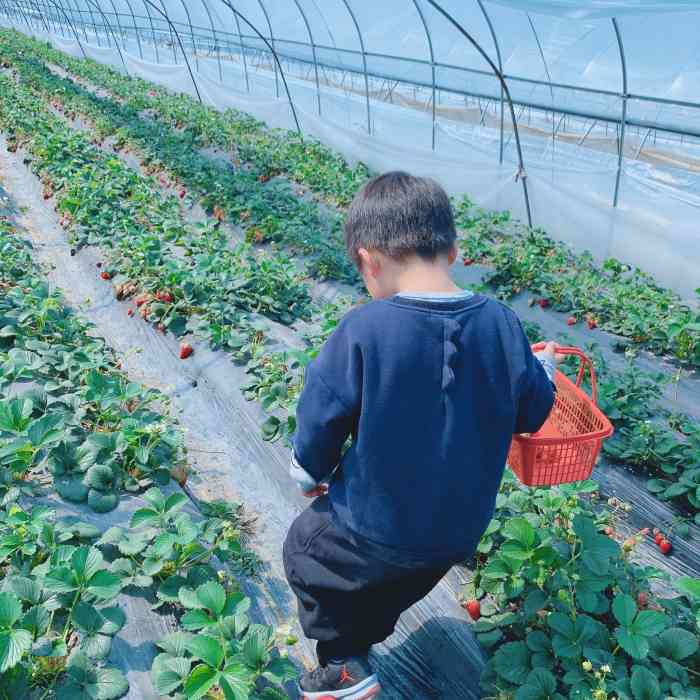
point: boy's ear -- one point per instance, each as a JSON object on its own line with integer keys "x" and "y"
{"x": 369, "y": 261}
{"x": 452, "y": 254}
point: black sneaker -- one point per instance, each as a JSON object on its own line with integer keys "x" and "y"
{"x": 351, "y": 680}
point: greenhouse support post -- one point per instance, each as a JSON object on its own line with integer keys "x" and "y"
{"x": 108, "y": 31}
{"x": 216, "y": 40}
{"x": 625, "y": 97}
{"x": 364, "y": 61}
{"x": 70, "y": 24}
{"x": 487, "y": 17}
{"x": 179, "y": 41}
{"x": 313, "y": 53}
{"x": 276, "y": 58}
{"x": 272, "y": 42}
{"x": 522, "y": 175}
{"x": 136, "y": 31}
{"x": 244, "y": 61}
{"x": 432, "y": 67}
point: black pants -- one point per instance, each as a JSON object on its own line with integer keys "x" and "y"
{"x": 347, "y": 599}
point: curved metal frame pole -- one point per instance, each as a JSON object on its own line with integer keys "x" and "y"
{"x": 625, "y": 95}
{"x": 164, "y": 13}
{"x": 313, "y": 53}
{"x": 71, "y": 25}
{"x": 80, "y": 19}
{"x": 41, "y": 6}
{"x": 272, "y": 41}
{"x": 94, "y": 26}
{"x": 216, "y": 40}
{"x": 153, "y": 30}
{"x": 47, "y": 17}
{"x": 184, "y": 55}
{"x": 364, "y": 62}
{"x": 12, "y": 13}
{"x": 497, "y": 46}
{"x": 119, "y": 23}
{"x": 136, "y": 29}
{"x": 547, "y": 73}
{"x": 432, "y": 66}
{"x": 61, "y": 19}
{"x": 19, "y": 11}
{"x": 109, "y": 28}
{"x": 275, "y": 56}
{"x": 244, "y": 60}
{"x": 194, "y": 45}
{"x": 35, "y": 5}
{"x": 522, "y": 175}
{"x": 59, "y": 23}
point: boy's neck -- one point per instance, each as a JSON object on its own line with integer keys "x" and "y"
{"x": 428, "y": 277}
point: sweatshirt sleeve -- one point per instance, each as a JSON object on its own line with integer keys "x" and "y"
{"x": 328, "y": 408}
{"x": 536, "y": 390}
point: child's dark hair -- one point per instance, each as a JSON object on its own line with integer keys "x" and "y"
{"x": 399, "y": 214}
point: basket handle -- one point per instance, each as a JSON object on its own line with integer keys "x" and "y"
{"x": 585, "y": 363}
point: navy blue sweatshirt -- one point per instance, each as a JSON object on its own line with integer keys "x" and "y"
{"x": 431, "y": 393}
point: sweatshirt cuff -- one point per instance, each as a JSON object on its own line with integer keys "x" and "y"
{"x": 548, "y": 365}
{"x": 304, "y": 480}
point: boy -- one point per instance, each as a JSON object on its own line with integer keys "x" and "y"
{"x": 430, "y": 381}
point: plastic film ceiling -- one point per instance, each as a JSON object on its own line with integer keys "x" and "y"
{"x": 605, "y": 93}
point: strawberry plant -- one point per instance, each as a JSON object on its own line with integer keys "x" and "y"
{"x": 562, "y": 618}
{"x": 270, "y": 213}
{"x": 219, "y": 648}
{"x": 83, "y": 429}
{"x": 614, "y": 297}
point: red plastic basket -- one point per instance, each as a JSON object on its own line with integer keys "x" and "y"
{"x": 565, "y": 449}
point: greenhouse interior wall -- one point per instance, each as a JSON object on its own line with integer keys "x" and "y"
{"x": 605, "y": 98}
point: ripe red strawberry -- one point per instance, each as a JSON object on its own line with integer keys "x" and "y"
{"x": 544, "y": 303}
{"x": 592, "y": 323}
{"x": 659, "y": 538}
{"x": 165, "y": 297}
{"x": 130, "y": 312}
{"x": 665, "y": 546}
{"x": 473, "y": 607}
{"x": 105, "y": 275}
{"x": 468, "y": 261}
{"x": 571, "y": 321}
{"x": 642, "y": 599}
{"x": 185, "y": 350}
{"x": 182, "y": 193}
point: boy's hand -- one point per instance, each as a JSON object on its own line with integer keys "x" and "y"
{"x": 550, "y": 358}
{"x": 550, "y": 352}
{"x": 320, "y": 490}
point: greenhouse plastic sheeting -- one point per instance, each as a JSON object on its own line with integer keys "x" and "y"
{"x": 654, "y": 226}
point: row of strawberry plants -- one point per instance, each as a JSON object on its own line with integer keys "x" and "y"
{"x": 277, "y": 379}
{"x": 269, "y": 212}
{"x": 189, "y": 276}
{"x": 566, "y": 613}
{"x": 270, "y": 151}
{"x": 615, "y": 297}
{"x": 69, "y": 419}
{"x": 633, "y": 672}
{"x": 662, "y": 444}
